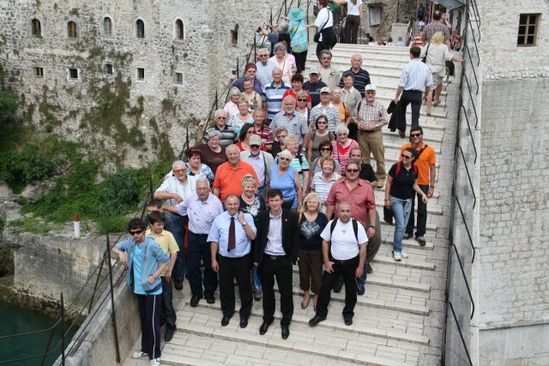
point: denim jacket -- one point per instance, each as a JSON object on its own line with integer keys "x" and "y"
{"x": 154, "y": 255}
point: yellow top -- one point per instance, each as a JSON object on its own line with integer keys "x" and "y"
{"x": 166, "y": 241}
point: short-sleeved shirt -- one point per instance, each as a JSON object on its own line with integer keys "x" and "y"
{"x": 201, "y": 213}
{"x": 219, "y": 234}
{"x": 344, "y": 244}
{"x": 314, "y": 90}
{"x": 423, "y": 163}
{"x": 331, "y": 112}
{"x": 255, "y": 208}
{"x": 415, "y": 75}
{"x": 361, "y": 79}
{"x": 166, "y": 241}
{"x": 173, "y": 185}
{"x": 296, "y": 124}
{"x": 264, "y": 72}
{"x": 370, "y": 114}
{"x": 361, "y": 198}
{"x": 293, "y": 94}
{"x": 322, "y": 186}
{"x": 309, "y": 232}
{"x": 228, "y": 179}
{"x": 403, "y": 184}
{"x": 341, "y": 154}
{"x": 273, "y": 97}
{"x": 211, "y": 158}
{"x": 228, "y": 134}
{"x": 330, "y": 76}
{"x": 301, "y": 165}
{"x": 286, "y": 183}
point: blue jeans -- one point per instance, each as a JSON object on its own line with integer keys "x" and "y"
{"x": 401, "y": 212}
{"x": 256, "y": 281}
{"x": 174, "y": 224}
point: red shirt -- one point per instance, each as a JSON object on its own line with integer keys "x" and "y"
{"x": 361, "y": 198}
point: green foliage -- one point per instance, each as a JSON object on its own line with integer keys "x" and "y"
{"x": 96, "y": 51}
{"x": 32, "y": 225}
{"x": 8, "y": 107}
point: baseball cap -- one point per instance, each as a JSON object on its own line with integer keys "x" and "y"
{"x": 370, "y": 87}
{"x": 325, "y": 90}
{"x": 255, "y": 140}
{"x": 314, "y": 70}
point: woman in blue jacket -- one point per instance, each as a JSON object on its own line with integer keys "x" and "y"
{"x": 145, "y": 262}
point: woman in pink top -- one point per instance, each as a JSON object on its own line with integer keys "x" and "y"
{"x": 342, "y": 146}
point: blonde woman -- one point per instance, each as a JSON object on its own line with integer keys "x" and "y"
{"x": 437, "y": 54}
{"x": 286, "y": 178}
{"x": 311, "y": 223}
{"x": 242, "y": 117}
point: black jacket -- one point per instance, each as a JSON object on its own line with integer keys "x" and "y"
{"x": 290, "y": 237}
{"x": 398, "y": 117}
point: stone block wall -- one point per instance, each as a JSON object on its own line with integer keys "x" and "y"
{"x": 117, "y": 111}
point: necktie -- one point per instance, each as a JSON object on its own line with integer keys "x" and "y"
{"x": 232, "y": 234}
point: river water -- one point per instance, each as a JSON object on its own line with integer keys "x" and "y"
{"x": 14, "y": 320}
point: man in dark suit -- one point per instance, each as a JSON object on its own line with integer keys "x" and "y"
{"x": 276, "y": 251}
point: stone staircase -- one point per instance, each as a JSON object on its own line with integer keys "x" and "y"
{"x": 398, "y": 321}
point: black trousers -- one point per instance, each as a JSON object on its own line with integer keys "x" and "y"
{"x": 279, "y": 268}
{"x": 351, "y": 28}
{"x": 414, "y": 97}
{"x": 150, "y": 307}
{"x": 347, "y": 268}
{"x": 421, "y": 214}
{"x": 168, "y": 312}
{"x": 229, "y": 270}
{"x": 199, "y": 250}
{"x": 300, "y": 59}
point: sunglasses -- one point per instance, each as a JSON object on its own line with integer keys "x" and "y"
{"x": 302, "y": 100}
{"x": 221, "y": 117}
{"x": 415, "y": 134}
{"x": 352, "y": 170}
{"x": 132, "y": 233}
{"x": 325, "y": 149}
{"x": 254, "y": 146}
{"x": 322, "y": 122}
{"x": 405, "y": 156}
{"x": 283, "y": 159}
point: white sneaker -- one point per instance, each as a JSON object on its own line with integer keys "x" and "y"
{"x": 138, "y": 354}
{"x": 404, "y": 255}
{"x": 155, "y": 362}
{"x": 397, "y": 256}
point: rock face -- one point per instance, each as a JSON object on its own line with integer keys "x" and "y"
{"x": 124, "y": 76}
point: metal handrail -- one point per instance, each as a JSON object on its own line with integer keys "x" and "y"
{"x": 465, "y": 279}
{"x": 466, "y": 226}
{"x": 468, "y": 175}
{"x": 471, "y": 99}
{"x": 470, "y": 133}
{"x": 475, "y": 42}
{"x": 460, "y": 333}
{"x": 477, "y": 16}
{"x": 473, "y": 68}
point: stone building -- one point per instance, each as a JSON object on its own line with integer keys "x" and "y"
{"x": 132, "y": 74}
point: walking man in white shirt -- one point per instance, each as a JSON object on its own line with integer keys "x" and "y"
{"x": 344, "y": 252}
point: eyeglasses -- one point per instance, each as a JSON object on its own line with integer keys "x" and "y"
{"x": 405, "y": 156}
{"x": 263, "y": 55}
{"x": 325, "y": 149}
{"x": 342, "y": 134}
{"x": 352, "y": 170}
{"x": 283, "y": 159}
{"x": 179, "y": 170}
{"x": 132, "y": 233}
{"x": 221, "y": 117}
{"x": 302, "y": 100}
{"x": 415, "y": 134}
{"x": 280, "y": 136}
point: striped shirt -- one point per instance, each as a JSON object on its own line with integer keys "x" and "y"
{"x": 228, "y": 135}
{"x": 331, "y": 112}
{"x": 295, "y": 123}
{"x": 415, "y": 75}
{"x": 322, "y": 186}
{"x": 361, "y": 79}
{"x": 433, "y": 27}
{"x": 273, "y": 96}
{"x": 370, "y": 113}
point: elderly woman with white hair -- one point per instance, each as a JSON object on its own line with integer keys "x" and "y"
{"x": 231, "y": 107}
{"x": 284, "y": 61}
{"x": 286, "y": 178}
{"x": 342, "y": 146}
{"x": 212, "y": 153}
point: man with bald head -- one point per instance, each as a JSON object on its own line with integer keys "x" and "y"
{"x": 228, "y": 176}
{"x": 344, "y": 253}
{"x": 361, "y": 77}
{"x": 273, "y": 92}
{"x": 288, "y": 118}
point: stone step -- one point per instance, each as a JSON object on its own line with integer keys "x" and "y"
{"x": 365, "y": 49}
{"x": 387, "y": 238}
{"x": 370, "y": 322}
{"x": 399, "y": 274}
{"x": 405, "y": 262}
{"x": 380, "y": 196}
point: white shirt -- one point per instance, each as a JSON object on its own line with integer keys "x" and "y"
{"x": 324, "y": 15}
{"x": 201, "y": 213}
{"x": 344, "y": 244}
{"x": 274, "y": 236}
{"x": 184, "y": 190}
{"x": 353, "y": 9}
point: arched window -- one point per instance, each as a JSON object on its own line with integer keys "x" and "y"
{"x": 107, "y": 26}
{"x": 36, "y": 28}
{"x": 140, "y": 29}
{"x": 72, "y": 31}
{"x": 234, "y": 36}
{"x": 179, "y": 29}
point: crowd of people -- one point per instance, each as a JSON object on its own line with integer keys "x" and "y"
{"x": 283, "y": 177}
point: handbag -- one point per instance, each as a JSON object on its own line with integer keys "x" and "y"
{"x": 424, "y": 59}
{"x": 316, "y": 38}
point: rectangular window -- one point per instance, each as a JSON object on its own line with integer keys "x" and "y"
{"x": 178, "y": 78}
{"x": 140, "y": 73}
{"x": 375, "y": 16}
{"x": 528, "y": 29}
{"x": 108, "y": 69}
{"x": 39, "y": 72}
{"x": 73, "y": 74}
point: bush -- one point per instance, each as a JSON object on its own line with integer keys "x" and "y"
{"x": 8, "y": 107}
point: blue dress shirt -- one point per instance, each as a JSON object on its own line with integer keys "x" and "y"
{"x": 219, "y": 233}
